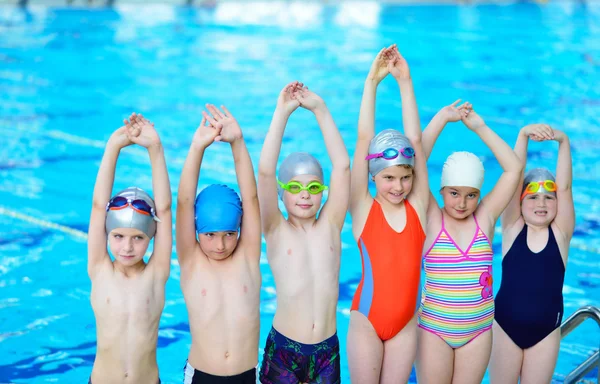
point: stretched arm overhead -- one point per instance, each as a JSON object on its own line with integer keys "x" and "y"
{"x": 232, "y": 133}
{"x": 449, "y": 114}
{"x": 565, "y": 214}
{"x": 97, "y": 253}
{"x": 337, "y": 203}
{"x": 267, "y": 166}
{"x": 398, "y": 67}
{"x": 537, "y": 132}
{"x": 359, "y": 191}
{"x": 494, "y": 203}
{"x": 142, "y": 132}
{"x": 185, "y": 226}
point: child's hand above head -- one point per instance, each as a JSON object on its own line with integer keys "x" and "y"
{"x": 538, "y": 132}
{"x": 559, "y": 135}
{"x": 309, "y": 100}
{"x": 396, "y": 64}
{"x": 287, "y": 97}
{"x": 379, "y": 69}
{"x": 452, "y": 113}
{"x": 119, "y": 137}
{"x": 141, "y": 131}
{"x": 227, "y": 124}
{"x": 471, "y": 119}
{"x": 205, "y": 135}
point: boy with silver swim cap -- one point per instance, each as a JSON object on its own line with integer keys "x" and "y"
{"x": 220, "y": 272}
{"x": 388, "y": 229}
{"x": 537, "y": 228}
{"x": 303, "y": 251}
{"x": 126, "y": 288}
{"x": 458, "y": 244}
{"x": 134, "y": 217}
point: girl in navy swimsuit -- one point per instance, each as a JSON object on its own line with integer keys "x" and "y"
{"x": 537, "y": 228}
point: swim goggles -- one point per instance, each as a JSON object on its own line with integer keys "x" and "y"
{"x": 138, "y": 205}
{"x": 392, "y": 153}
{"x": 296, "y": 187}
{"x": 535, "y": 186}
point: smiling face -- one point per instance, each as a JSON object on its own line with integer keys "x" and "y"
{"x": 539, "y": 209}
{"x": 394, "y": 183}
{"x": 460, "y": 202}
{"x": 218, "y": 245}
{"x": 303, "y": 205}
{"x": 128, "y": 245}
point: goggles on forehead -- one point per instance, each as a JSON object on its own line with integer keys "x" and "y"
{"x": 296, "y": 187}
{"x": 392, "y": 153}
{"x": 138, "y": 205}
{"x": 535, "y": 186}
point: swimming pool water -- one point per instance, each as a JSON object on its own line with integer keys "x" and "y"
{"x": 69, "y": 76}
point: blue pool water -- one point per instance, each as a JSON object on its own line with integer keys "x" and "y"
{"x": 69, "y": 76}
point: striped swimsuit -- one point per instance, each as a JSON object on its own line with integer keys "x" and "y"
{"x": 458, "y": 302}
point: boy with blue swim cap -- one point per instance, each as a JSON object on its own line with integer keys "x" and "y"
{"x": 128, "y": 295}
{"x": 218, "y": 248}
{"x": 303, "y": 251}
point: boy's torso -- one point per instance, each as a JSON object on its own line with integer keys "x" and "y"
{"x": 223, "y": 303}
{"x": 127, "y": 311}
{"x": 306, "y": 266}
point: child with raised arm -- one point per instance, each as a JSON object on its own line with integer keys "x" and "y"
{"x": 220, "y": 274}
{"x": 303, "y": 251}
{"x": 382, "y": 336}
{"x": 457, "y": 308}
{"x": 537, "y": 227}
{"x": 128, "y": 295}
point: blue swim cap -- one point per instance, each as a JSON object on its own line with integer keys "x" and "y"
{"x": 218, "y": 208}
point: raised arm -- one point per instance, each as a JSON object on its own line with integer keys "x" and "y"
{"x": 538, "y": 132}
{"x": 185, "y": 226}
{"x": 97, "y": 253}
{"x": 359, "y": 189}
{"x": 231, "y": 132}
{"x": 339, "y": 190}
{"x": 494, "y": 203}
{"x": 398, "y": 67}
{"x": 565, "y": 214}
{"x": 267, "y": 166}
{"x": 142, "y": 132}
{"x": 449, "y": 114}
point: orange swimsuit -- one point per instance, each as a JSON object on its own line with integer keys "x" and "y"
{"x": 391, "y": 264}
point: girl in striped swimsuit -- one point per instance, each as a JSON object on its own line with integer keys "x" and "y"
{"x": 457, "y": 307}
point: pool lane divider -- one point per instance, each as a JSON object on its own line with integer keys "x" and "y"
{"x": 43, "y": 223}
{"x": 580, "y": 245}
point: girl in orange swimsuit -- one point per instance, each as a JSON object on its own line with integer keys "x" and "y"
{"x": 382, "y": 336}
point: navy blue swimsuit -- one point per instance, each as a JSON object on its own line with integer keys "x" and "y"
{"x": 529, "y": 304}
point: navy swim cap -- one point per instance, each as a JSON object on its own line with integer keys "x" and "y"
{"x": 218, "y": 208}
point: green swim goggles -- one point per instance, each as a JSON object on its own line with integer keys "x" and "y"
{"x": 295, "y": 187}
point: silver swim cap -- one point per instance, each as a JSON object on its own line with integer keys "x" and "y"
{"x": 386, "y": 139}
{"x": 296, "y": 164}
{"x": 538, "y": 174}
{"x": 462, "y": 169}
{"x": 121, "y": 213}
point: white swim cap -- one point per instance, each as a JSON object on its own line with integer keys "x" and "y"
{"x": 462, "y": 169}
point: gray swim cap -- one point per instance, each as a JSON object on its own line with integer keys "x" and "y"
{"x": 124, "y": 216}
{"x": 538, "y": 174}
{"x": 296, "y": 164}
{"x": 389, "y": 138}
